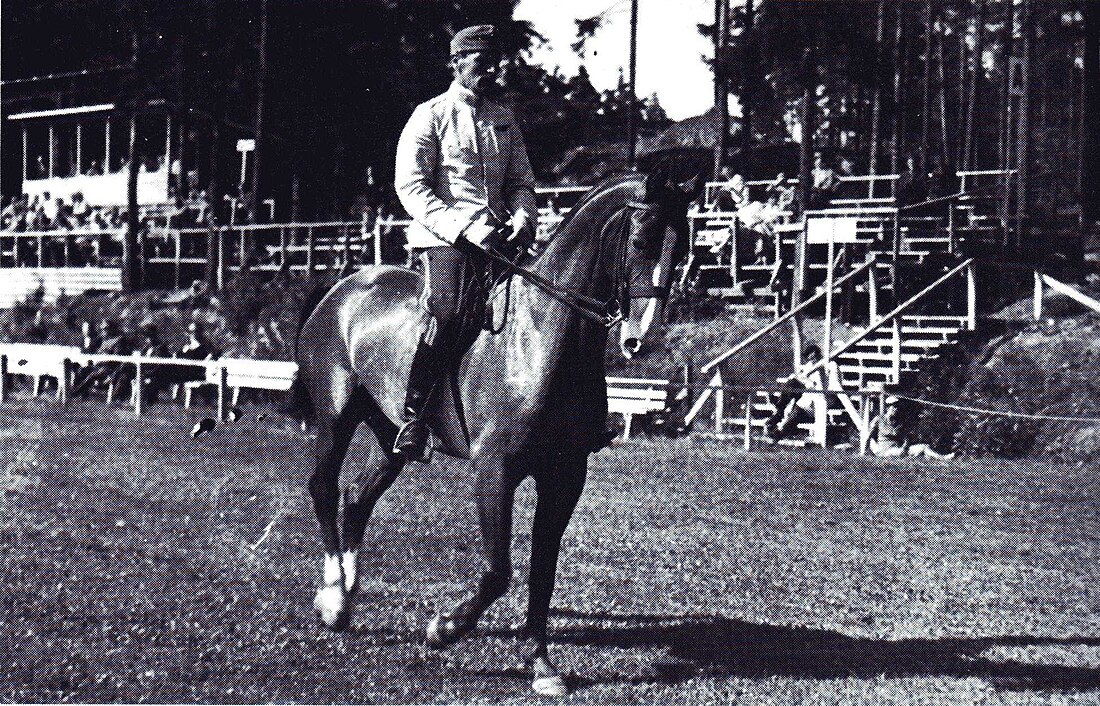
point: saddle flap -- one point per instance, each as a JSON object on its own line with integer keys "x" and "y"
{"x": 446, "y": 418}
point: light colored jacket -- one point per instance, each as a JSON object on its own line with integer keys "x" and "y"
{"x": 462, "y": 169}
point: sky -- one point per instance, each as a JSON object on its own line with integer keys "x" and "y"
{"x": 670, "y": 48}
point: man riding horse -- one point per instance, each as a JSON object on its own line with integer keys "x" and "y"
{"x": 462, "y": 169}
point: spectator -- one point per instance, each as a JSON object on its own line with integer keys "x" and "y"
{"x": 62, "y": 219}
{"x": 89, "y": 339}
{"x": 196, "y": 348}
{"x": 940, "y": 182}
{"x": 911, "y": 185}
{"x": 825, "y": 182}
{"x": 119, "y": 375}
{"x": 733, "y": 196}
{"x": 49, "y": 211}
{"x": 89, "y": 343}
{"x": 81, "y": 211}
{"x": 156, "y": 379}
{"x": 802, "y": 401}
{"x": 40, "y": 171}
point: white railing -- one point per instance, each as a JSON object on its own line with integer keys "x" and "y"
{"x": 627, "y": 396}
{"x": 1062, "y": 288}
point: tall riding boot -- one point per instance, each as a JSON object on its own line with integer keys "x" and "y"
{"x": 413, "y": 440}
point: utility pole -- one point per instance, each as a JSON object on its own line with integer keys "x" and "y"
{"x": 926, "y": 87}
{"x": 721, "y": 84}
{"x": 261, "y": 81}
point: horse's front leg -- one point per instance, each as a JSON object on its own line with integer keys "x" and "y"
{"x": 495, "y": 487}
{"x": 559, "y": 485}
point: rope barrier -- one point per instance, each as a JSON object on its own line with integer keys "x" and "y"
{"x": 998, "y": 412}
{"x": 772, "y": 389}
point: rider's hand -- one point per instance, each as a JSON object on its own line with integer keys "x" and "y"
{"x": 523, "y": 230}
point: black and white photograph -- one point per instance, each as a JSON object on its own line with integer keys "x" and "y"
{"x": 550, "y": 351}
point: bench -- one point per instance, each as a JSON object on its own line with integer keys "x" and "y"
{"x": 630, "y": 396}
{"x": 38, "y": 361}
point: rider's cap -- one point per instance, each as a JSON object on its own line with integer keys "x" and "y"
{"x": 476, "y": 38}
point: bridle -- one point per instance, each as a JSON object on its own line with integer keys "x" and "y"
{"x": 605, "y": 313}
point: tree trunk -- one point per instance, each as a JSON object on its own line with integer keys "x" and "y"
{"x": 213, "y": 189}
{"x": 748, "y": 96}
{"x": 1090, "y": 136}
{"x": 945, "y": 147}
{"x": 969, "y": 151}
{"x": 897, "y": 144}
{"x": 261, "y": 82}
{"x": 721, "y": 86}
{"x": 806, "y": 149}
{"x": 876, "y": 109}
{"x": 926, "y": 87}
{"x": 631, "y": 99}
{"x": 131, "y": 264}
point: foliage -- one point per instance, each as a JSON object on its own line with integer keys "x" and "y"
{"x": 248, "y": 318}
{"x": 1046, "y": 370}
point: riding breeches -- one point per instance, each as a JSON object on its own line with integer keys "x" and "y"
{"x": 455, "y": 295}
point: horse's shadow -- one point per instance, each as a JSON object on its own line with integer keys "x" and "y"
{"x": 711, "y": 645}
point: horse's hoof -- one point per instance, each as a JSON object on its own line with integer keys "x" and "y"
{"x": 442, "y": 632}
{"x": 331, "y": 603}
{"x": 550, "y": 686}
{"x": 435, "y": 636}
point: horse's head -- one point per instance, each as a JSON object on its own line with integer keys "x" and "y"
{"x": 656, "y": 241}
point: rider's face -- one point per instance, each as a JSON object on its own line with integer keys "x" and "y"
{"x": 477, "y": 70}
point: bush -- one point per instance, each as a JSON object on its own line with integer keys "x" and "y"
{"x": 249, "y": 318}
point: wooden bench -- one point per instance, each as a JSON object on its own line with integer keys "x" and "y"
{"x": 38, "y": 361}
{"x": 630, "y": 396}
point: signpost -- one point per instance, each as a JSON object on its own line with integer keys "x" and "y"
{"x": 244, "y": 146}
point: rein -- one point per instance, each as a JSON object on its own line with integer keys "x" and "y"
{"x": 605, "y": 313}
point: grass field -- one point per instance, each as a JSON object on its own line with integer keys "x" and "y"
{"x": 143, "y": 565}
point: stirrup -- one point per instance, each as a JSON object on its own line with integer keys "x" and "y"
{"x": 412, "y": 448}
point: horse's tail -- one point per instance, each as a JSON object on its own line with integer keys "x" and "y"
{"x": 300, "y": 406}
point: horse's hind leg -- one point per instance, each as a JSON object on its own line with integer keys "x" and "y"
{"x": 333, "y": 438}
{"x": 382, "y": 469}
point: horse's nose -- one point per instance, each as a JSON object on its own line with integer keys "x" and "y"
{"x": 631, "y": 346}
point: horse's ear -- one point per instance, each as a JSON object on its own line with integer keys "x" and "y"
{"x": 656, "y": 183}
{"x": 692, "y": 187}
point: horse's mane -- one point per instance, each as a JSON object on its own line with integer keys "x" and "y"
{"x": 594, "y": 193}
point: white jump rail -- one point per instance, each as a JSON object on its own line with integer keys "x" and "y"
{"x": 228, "y": 374}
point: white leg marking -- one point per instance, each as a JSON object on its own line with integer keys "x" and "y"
{"x": 333, "y": 573}
{"x": 351, "y": 565}
{"x": 331, "y": 597}
{"x": 329, "y": 602}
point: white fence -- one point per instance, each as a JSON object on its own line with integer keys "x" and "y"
{"x": 626, "y": 396}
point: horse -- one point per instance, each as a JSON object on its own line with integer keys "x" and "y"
{"x": 530, "y": 400}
